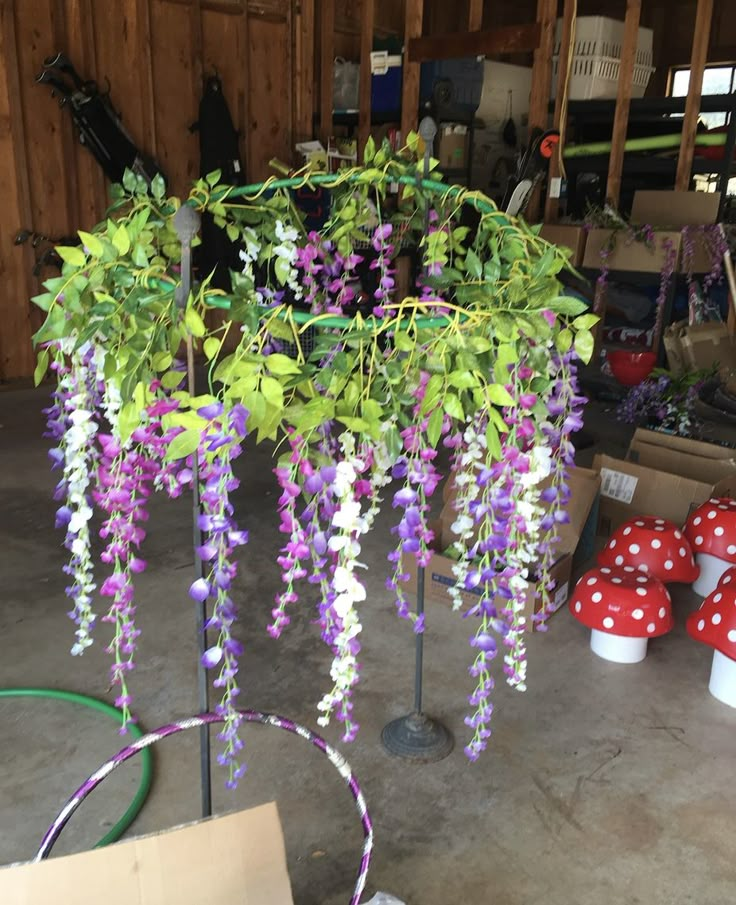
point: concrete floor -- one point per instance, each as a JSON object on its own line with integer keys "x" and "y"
{"x": 603, "y": 784}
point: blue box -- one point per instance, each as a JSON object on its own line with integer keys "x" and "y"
{"x": 386, "y": 82}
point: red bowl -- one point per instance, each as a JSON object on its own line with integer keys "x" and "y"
{"x": 630, "y": 368}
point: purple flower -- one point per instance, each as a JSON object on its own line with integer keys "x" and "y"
{"x": 405, "y": 497}
{"x": 211, "y": 657}
{"x": 199, "y": 590}
{"x": 211, "y": 411}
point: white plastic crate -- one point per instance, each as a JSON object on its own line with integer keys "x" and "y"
{"x": 596, "y": 61}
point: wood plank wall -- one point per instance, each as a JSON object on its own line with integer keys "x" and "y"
{"x": 154, "y": 53}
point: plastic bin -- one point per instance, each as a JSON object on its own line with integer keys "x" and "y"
{"x": 454, "y": 87}
{"x": 596, "y": 63}
{"x": 346, "y": 84}
{"x": 386, "y": 77}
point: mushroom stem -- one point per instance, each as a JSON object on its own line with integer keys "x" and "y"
{"x": 723, "y": 679}
{"x": 618, "y": 648}
{"x": 711, "y": 569}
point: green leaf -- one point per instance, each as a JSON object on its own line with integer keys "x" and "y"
{"x": 183, "y": 445}
{"x": 369, "y": 152}
{"x": 282, "y": 364}
{"x": 158, "y": 187}
{"x": 91, "y": 243}
{"x": 161, "y": 361}
{"x": 462, "y": 380}
{"x": 72, "y": 254}
{"x": 282, "y": 269}
{"x": 584, "y": 345}
{"x": 495, "y": 416}
{"x": 194, "y": 322}
{"x": 121, "y": 240}
{"x": 44, "y": 301}
{"x": 213, "y": 178}
{"x": 172, "y": 379}
{"x": 434, "y": 426}
{"x": 454, "y": 407}
{"x": 403, "y": 342}
{"x": 355, "y": 424}
{"x": 563, "y": 341}
{"x": 129, "y": 181}
{"x": 232, "y": 231}
{"x": 565, "y": 304}
{"x": 256, "y": 405}
{"x": 585, "y": 321}
{"x": 211, "y": 347}
{"x": 473, "y": 265}
{"x": 140, "y": 258}
{"x": 493, "y": 440}
{"x": 499, "y": 395}
{"x": 272, "y": 392}
{"x": 41, "y": 367}
{"x": 128, "y": 420}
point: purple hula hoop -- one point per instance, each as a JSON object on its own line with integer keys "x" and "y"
{"x": 250, "y": 716}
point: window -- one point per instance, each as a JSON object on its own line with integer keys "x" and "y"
{"x": 717, "y": 79}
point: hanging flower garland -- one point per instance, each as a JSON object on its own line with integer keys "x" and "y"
{"x": 362, "y": 385}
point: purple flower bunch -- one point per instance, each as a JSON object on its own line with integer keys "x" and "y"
{"x": 220, "y": 444}
{"x": 326, "y": 275}
{"x": 385, "y": 250}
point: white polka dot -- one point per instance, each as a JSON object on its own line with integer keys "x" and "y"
{"x": 608, "y": 622}
{"x": 627, "y": 531}
{"x": 717, "y": 598}
{"x": 592, "y": 581}
{"x": 699, "y": 540}
{"x": 659, "y": 528}
{"x": 629, "y": 569}
{"x": 617, "y": 580}
{"x": 677, "y": 535}
{"x": 697, "y": 521}
{"x": 651, "y": 627}
{"x": 716, "y": 618}
{"x": 637, "y": 614}
{"x": 634, "y": 548}
{"x": 726, "y": 579}
{"x": 719, "y": 531}
{"x": 722, "y": 508}
{"x": 732, "y": 636}
{"x": 639, "y": 524}
{"x": 619, "y": 560}
{"x": 578, "y": 606}
{"x": 642, "y": 592}
{"x": 731, "y": 549}
{"x": 642, "y": 578}
{"x": 659, "y": 521}
{"x": 597, "y": 597}
{"x": 712, "y": 500}
{"x": 701, "y": 625}
{"x": 683, "y": 551}
{"x": 606, "y": 570}
{"x": 662, "y": 612}
{"x": 713, "y": 514}
{"x": 612, "y": 545}
{"x": 656, "y": 543}
{"x": 668, "y": 564}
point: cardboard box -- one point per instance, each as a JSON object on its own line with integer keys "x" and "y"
{"x": 664, "y": 476}
{"x": 452, "y": 150}
{"x": 699, "y": 348}
{"x": 673, "y": 210}
{"x": 585, "y": 485}
{"x": 572, "y": 237}
{"x": 236, "y": 858}
{"x": 636, "y": 256}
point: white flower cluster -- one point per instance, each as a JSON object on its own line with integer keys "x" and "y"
{"x": 286, "y": 254}
{"x": 78, "y": 452}
{"x": 249, "y": 255}
{"x": 468, "y": 491}
{"x": 349, "y": 525}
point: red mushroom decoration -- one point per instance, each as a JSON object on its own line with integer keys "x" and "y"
{"x": 624, "y": 607}
{"x": 711, "y": 530}
{"x": 715, "y": 624}
{"x": 653, "y": 545}
{"x": 728, "y": 577}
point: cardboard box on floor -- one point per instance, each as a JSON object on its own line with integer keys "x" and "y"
{"x": 238, "y": 858}
{"x": 664, "y": 476}
{"x": 584, "y": 485}
{"x": 699, "y": 347}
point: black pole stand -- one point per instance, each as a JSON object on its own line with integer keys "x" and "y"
{"x": 186, "y": 223}
{"x": 416, "y": 736}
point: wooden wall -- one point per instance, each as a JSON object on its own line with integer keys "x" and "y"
{"x": 154, "y": 53}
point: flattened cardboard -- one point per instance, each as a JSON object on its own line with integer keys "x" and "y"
{"x": 572, "y": 237}
{"x": 694, "y": 459}
{"x": 673, "y": 210}
{"x": 636, "y": 256}
{"x": 238, "y": 859}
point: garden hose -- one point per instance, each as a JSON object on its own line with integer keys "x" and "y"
{"x": 72, "y": 697}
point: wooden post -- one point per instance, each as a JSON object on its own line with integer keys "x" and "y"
{"x": 367, "y": 21}
{"x": 541, "y": 81}
{"x": 623, "y": 99}
{"x": 410, "y": 91}
{"x": 304, "y": 70}
{"x": 559, "y": 119}
{"x": 327, "y": 57}
{"x": 701, "y": 37}
{"x": 475, "y": 15}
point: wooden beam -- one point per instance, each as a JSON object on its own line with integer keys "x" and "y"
{"x": 475, "y": 15}
{"x": 559, "y": 118}
{"x": 511, "y": 39}
{"x": 414, "y": 14}
{"x": 701, "y": 37}
{"x": 542, "y": 68}
{"x": 326, "y": 75}
{"x": 304, "y": 70}
{"x": 367, "y": 22}
{"x": 623, "y": 100}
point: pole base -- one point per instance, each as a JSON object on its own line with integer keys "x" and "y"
{"x": 418, "y": 738}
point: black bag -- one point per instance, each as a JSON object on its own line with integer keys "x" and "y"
{"x": 219, "y": 150}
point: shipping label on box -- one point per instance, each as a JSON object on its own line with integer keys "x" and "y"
{"x": 617, "y": 485}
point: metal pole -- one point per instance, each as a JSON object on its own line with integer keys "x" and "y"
{"x": 186, "y": 223}
{"x": 418, "y": 666}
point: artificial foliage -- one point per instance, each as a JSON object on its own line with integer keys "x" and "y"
{"x": 358, "y": 388}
